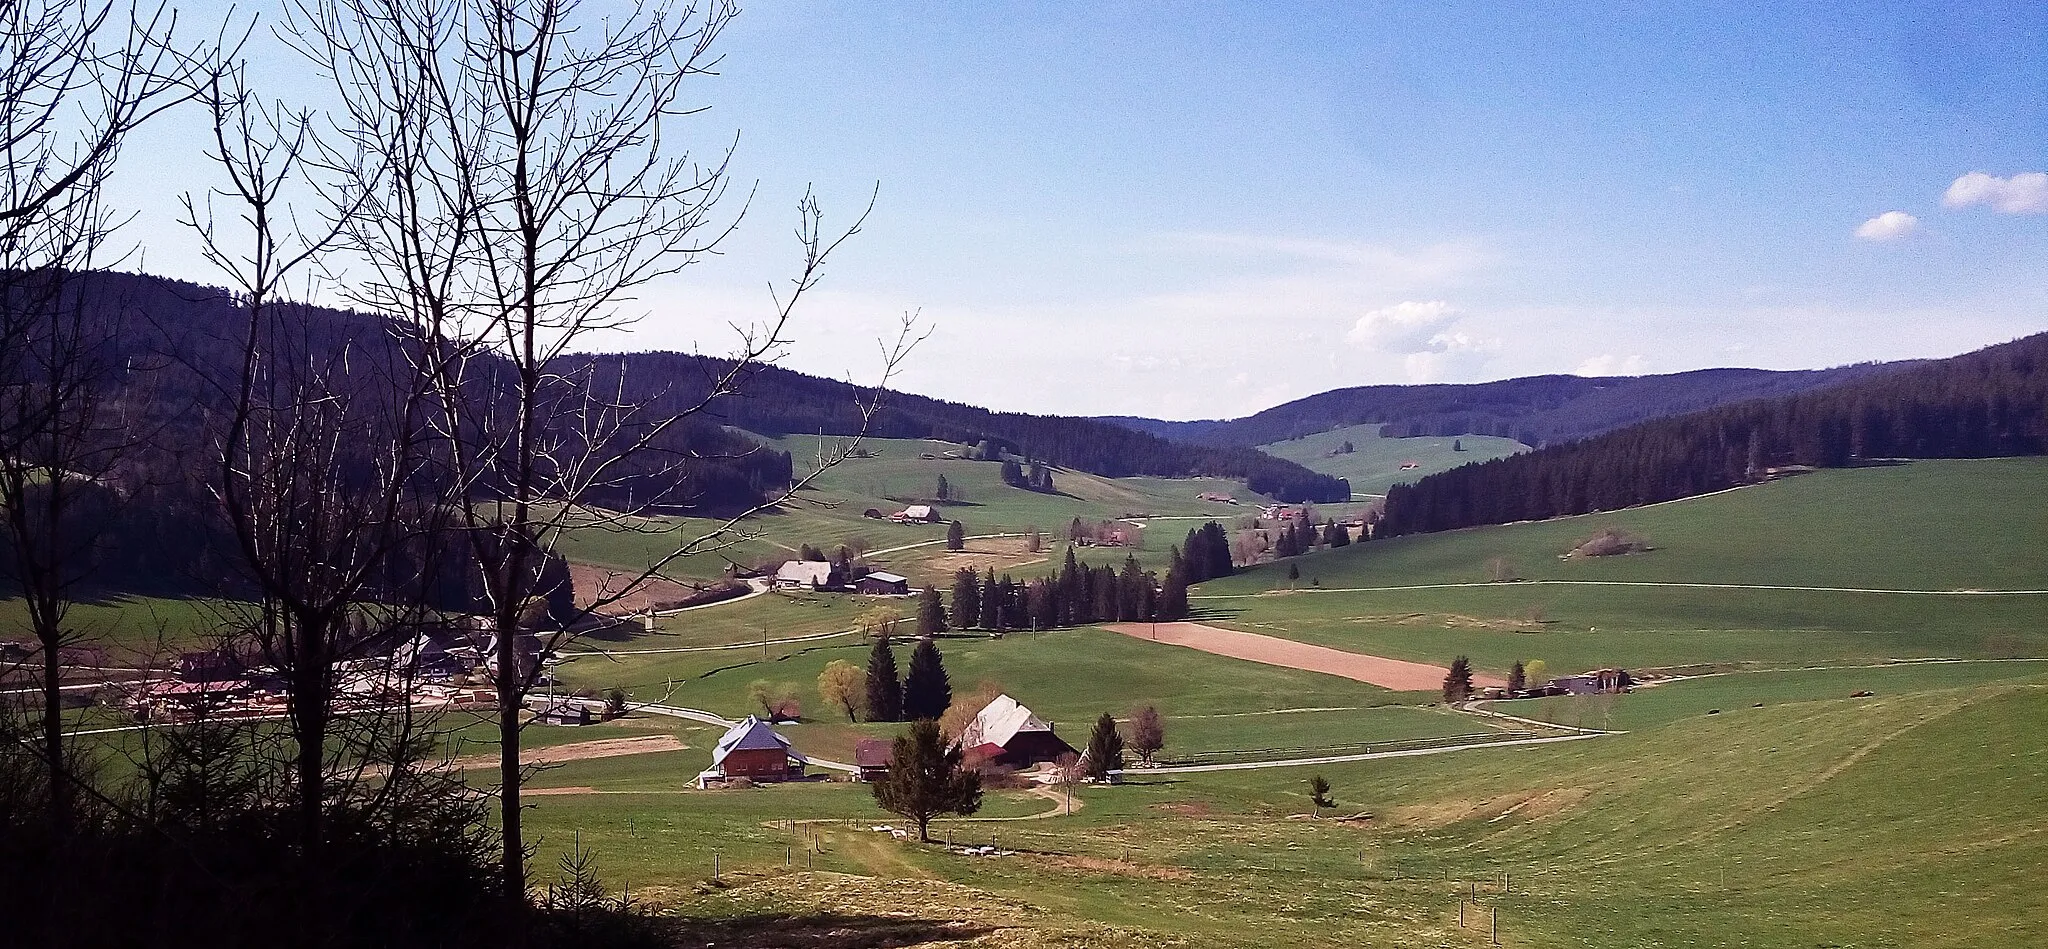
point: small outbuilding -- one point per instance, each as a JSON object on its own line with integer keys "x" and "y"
{"x": 753, "y": 750}
{"x": 872, "y": 756}
{"x": 878, "y": 583}
{"x": 1008, "y": 733}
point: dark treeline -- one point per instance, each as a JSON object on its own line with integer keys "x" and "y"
{"x": 1079, "y": 594}
{"x": 172, "y": 350}
{"x": 781, "y": 402}
{"x": 1536, "y": 410}
{"x": 1990, "y": 403}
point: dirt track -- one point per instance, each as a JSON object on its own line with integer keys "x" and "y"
{"x": 1396, "y": 674}
{"x": 581, "y": 751}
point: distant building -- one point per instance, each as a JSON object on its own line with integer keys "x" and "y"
{"x": 561, "y": 710}
{"x": 1597, "y": 682}
{"x": 872, "y": 756}
{"x": 878, "y": 583}
{"x": 753, "y": 750}
{"x": 807, "y": 575}
{"x": 1007, "y": 733}
{"x": 917, "y": 514}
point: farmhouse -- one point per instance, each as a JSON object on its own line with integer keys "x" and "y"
{"x": 1007, "y": 733}
{"x": 1597, "y": 682}
{"x": 807, "y": 575}
{"x": 917, "y": 514}
{"x": 878, "y": 583}
{"x": 872, "y": 757}
{"x": 561, "y": 710}
{"x": 754, "y": 751}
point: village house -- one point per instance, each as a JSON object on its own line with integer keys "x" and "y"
{"x": 878, "y": 583}
{"x": 753, "y": 750}
{"x": 1007, "y": 733}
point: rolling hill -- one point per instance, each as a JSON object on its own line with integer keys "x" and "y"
{"x": 1534, "y": 410}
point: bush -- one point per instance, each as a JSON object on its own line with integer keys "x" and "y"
{"x": 1610, "y": 542}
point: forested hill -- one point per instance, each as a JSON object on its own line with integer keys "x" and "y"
{"x": 1990, "y": 403}
{"x": 778, "y": 401}
{"x": 189, "y": 332}
{"x": 1534, "y": 410}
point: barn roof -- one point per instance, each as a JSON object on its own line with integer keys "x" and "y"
{"x": 873, "y": 753}
{"x": 918, "y": 511}
{"x": 751, "y": 734}
{"x": 1000, "y": 722}
{"x": 887, "y": 577}
{"x": 814, "y": 572}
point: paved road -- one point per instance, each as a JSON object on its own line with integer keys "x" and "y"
{"x": 749, "y": 644}
{"x": 1344, "y": 759}
{"x": 712, "y": 718}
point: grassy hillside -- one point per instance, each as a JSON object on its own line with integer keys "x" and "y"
{"x": 898, "y": 472}
{"x": 1375, "y": 463}
{"x": 1838, "y": 822}
{"x": 1933, "y": 525}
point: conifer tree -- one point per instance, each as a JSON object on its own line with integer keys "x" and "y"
{"x": 1517, "y": 678}
{"x": 926, "y": 780}
{"x": 1105, "y": 749}
{"x": 885, "y": 693}
{"x": 926, "y": 690}
{"x": 991, "y": 605}
{"x": 1458, "y": 681}
{"x": 956, "y": 536}
{"x": 931, "y": 613}
{"x": 966, "y": 599}
{"x": 1173, "y": 596}
{"x": 942, "y": 491}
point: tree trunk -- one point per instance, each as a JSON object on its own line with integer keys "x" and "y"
{"x": 53, "y": 740}
{"x": 512, "y": 868}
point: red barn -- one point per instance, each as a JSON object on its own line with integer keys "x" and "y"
{"x": 752, "y": 750}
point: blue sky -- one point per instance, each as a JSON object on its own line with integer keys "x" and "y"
{"x": 1195, "y": 210}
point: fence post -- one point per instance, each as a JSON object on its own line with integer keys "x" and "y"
{"x": 1461, "y": 914}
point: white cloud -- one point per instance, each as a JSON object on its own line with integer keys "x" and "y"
{"x": 2024, "y": 193}
{"x": 1612, "y": 364}
{"x": 1889, "y": 226}
{"x": 1410, "y": 327}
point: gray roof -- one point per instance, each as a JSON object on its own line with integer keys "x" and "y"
{"x": 751, "y": 734}
{"x": 886, "y": 577}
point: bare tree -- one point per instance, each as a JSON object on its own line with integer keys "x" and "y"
{"x": 76, "y": 77}
{"x": 321, "y": 439}
{"x": 510, "y": 183}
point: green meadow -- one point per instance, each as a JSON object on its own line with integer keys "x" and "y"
{"x": 1816, "y": 820}
{"x": 1929, "y": 528}
{"x": 1375, "y": 464}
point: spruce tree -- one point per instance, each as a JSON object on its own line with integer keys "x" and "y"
{"x": 926, "y": 690}
{"x": 956, "y": 536}
{"x": 991, "y": 605}
{"x": 885, "y": 693}
{"x": 931, "y": 613}
{"x": 1518, "y": 678}
{"x": 1173, "y": 596}
{"x": 966, "y": 599}
{"x": 925, "y": 780}
{"x": 1458, "y": 681}
{"x": 942, "y": 491}
{"x": 1105, "y": 749}
{"x": 1218, "y": 550}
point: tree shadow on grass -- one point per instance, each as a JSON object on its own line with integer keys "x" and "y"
{"x": 836, "y": 930}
